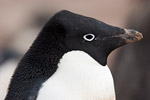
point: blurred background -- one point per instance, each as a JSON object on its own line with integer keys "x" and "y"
{"x": 22, "y": 20}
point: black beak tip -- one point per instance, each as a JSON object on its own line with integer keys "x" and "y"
{"x": 132, "y": 35}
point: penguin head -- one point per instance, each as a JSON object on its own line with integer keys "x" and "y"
{"x": 90, "y": 35}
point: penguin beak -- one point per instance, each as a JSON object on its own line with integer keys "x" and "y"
{"x": 130, "y": 36}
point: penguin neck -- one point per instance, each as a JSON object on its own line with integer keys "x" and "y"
{"x": 38, "y": 64}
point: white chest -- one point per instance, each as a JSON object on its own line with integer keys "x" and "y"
{"x": 78, "y": 77}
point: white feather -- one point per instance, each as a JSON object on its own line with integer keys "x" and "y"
{"x": 78, "y": 77}
{"x": 6, "y": 72}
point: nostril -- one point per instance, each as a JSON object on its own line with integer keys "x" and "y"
{"x": 132, "y": 31}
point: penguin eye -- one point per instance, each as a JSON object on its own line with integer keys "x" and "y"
{"x": 89, "y": 37}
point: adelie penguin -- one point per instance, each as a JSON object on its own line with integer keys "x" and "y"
{"x": 68, "y": 60}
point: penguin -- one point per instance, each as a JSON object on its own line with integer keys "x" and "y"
{"x": 67, "y": 61}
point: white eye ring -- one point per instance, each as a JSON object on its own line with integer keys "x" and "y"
{"x": 89, "y": 37}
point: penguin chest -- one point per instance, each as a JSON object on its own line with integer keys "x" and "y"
{"x": 78, "y": 77}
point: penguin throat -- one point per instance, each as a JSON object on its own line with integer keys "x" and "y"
{"x": 78, "y": 77}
